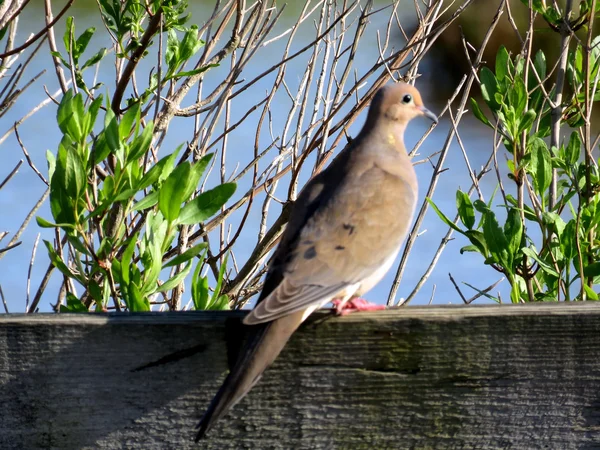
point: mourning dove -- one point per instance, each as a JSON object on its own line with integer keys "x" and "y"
{"x": 344, "y": 232}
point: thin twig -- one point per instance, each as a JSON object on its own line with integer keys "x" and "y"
{"x": 39, "y": 34}
{"x": 29, "y": 161}
{"x": 4, "y": 300}
{"x": 11, "y": 174}
{"x": 457, "y": 288}
{"x": 485, "y": 291}
{"x": 37, "y": 240}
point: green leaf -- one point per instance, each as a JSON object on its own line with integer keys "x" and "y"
{"x": 187, "y": 255}
{"x": 217, "y": 291}
{"x": 527, "y": 120}
{"x": 74, "y": 305}
{"x": 76, "y": 121}
{"x": 480, "y": 206}
{"x": 127, "y": 258}
{"x": 141, "y": 144}
{"x": 95, "y": 59}
{"x": 590, "y": 292}
{"x": 127, "y": 194}
{"x": 70, "y": 116}
{"x": 168, "y": 168}
{"x": 206, "y": 204}
{"x": 465, "y": 209}
{"x": 541, "y": 165}
{"x": 573, "y": 149}
{"x": 545, "y": 126}
{"x": 154, "y": 174}
{"x": 513, "y": 230}
{"x": 170, "y": 195}
{"x": 568, "y": 243}
{"x": 502, "y": 58}
{"x": 518, "y": 96}
{"x": 65, "y": 111}
{"x": 441, "y": 215}
{"x": 176, "y": 280}
{"x": 221, "y": 304}
{"x": 135, "y": 301}
{"x": 489, "y": 88}
{"x": 51, "y": 163}
{"x": 592, "y": 270}
{"x": 45, "y": 224}
{"x": 101, "y": 149}
{"x": 69, "y": 31}
{"x": 554, "y": 222}
{"x": 82, "y": 42}
{"x": 543, "y": 264}
{"x": 90, "y": 118}
{"x": 478, "y": 240}
{"x": 190, "y": 43}
{"x": 478, "y": 113}
{"x": 61, "y": 204}
{"x": 111, "y": 131}
{"x": 536, "y": 5}
{"x": 69, "y": 172}
{"x": 200, "y": 292}
{"x": 552, "y": 16}
{"x": 495, "y": 240}
{"x": 59, "y": 56}
{"x": 519, "y": 66}
{"x": 131, "y": 117}
{"x": 189, "y": 73}
{"x": 516, "y": 289}
{"x": 96, "y": 291}
{"x": 147, "y": 202}
{"x": 195, "y": 175}
{"x": 155, "y": 242}
{"x": 60, "y": 264}
{"x": 540, "y": 63}
{"x": 172, "y": 53}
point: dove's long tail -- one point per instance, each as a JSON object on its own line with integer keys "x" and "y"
{"x": 262, "y": 347}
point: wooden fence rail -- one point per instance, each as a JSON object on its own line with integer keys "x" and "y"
{"x": 523, "y": 376}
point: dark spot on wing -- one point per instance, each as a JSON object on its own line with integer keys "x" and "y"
{"x": 349, "y": 227}
{"x": 310, "y": 253}
{"x": 340, "y": 247}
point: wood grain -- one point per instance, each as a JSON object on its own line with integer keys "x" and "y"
{"x": 523, "y": 376}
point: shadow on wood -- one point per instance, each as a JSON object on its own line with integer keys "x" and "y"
{"x": 523, "y": 376}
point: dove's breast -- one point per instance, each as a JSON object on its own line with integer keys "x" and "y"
{"x": 362, "y": 230}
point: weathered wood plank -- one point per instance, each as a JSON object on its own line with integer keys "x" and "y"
{"x": 429, "y": 377}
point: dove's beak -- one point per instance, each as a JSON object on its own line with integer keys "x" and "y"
{"x": 428, "y": 113}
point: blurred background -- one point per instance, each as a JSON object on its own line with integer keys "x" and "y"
{"x": 440, "y": 72}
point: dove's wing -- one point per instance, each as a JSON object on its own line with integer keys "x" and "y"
{"x": 349, "y": 237}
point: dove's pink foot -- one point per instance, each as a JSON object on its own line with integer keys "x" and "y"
{"x": 354, "y": 305}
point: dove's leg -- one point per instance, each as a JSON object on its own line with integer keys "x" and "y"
{"x": 354, "y": 304}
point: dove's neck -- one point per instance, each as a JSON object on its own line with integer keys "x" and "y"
{"x": 395, "y": 138}
{"x": 391, "y": 136}
{"x": 385, "y": 149}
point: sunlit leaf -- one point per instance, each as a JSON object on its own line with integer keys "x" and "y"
{"x": 465, "y": 209}
{"x": 206, "y": 204}
{"x": 187, "y": 255}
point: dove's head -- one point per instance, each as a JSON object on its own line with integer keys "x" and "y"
{"x": 398, "y": 104}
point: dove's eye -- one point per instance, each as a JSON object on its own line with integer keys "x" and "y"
{"x": 407, "y": 99}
